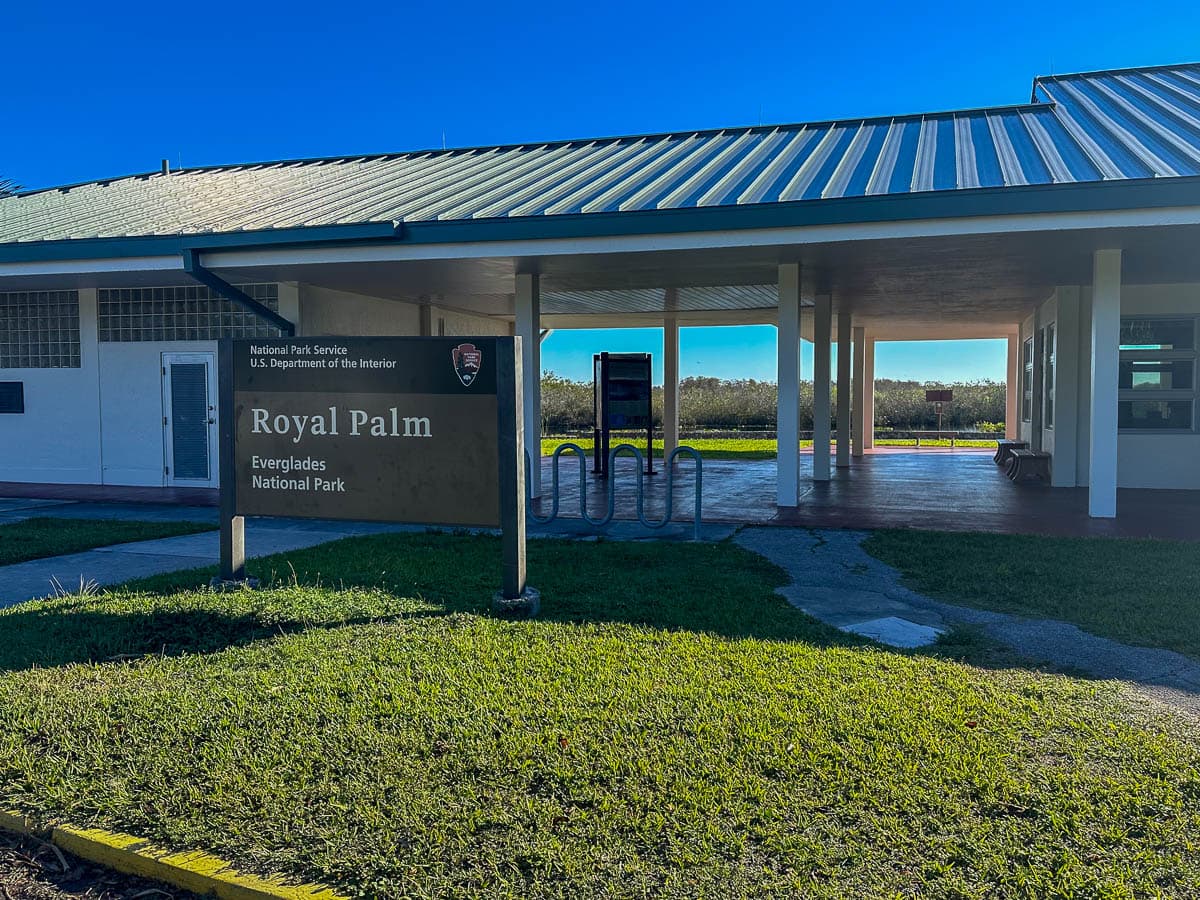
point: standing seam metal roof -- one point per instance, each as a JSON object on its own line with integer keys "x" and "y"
{"x": 1092, "y": 127}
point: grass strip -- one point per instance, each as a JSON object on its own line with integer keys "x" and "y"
{"x": 669, "y": 727}
{"x": 41, "y": 537}
{"x": 1136, "y": 591}
{"x": 748, "y": 448}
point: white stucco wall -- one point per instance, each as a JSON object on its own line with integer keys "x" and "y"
{"x": 1160, "y": 460}
{"x": 1143, "y": 460}
{"x": 131, "y": 405}
{"x": 57, "y": 439}
{"x": 453, "y": 322}
{"x": 324, "y": 311}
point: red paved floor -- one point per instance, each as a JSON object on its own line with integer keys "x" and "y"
{"x": 959, "y": 490}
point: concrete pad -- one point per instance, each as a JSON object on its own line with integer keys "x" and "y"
{"x": 46, "y": 577}
{"x": 843, "y": 606}
{"x": 11, "y": 504}
{"x": 895, "y": 632}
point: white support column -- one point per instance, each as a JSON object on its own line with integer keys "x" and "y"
{"x": 1012, "y": 388}
{"x": 90, "y": 457}
{"x": 528, "y": 328}
{"x": 822, "y": 391}
{"x": 289, "y": 303}
{"x": 670, "y": 386}
{"x": 1106, "y": 356}
{"x": 869, "y": 394}
{"x": 844, "y": 356}
{"x": 787, "y": 482}
{"x": 425, "y": 318}
{"x": 1066, "y": 388}
{"x": 1037, "y": 418}
{"x": 859, "y": 338}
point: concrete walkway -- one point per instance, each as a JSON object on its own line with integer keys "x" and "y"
{"x": 118, "y": 563}
{"x": 836, "y": 581}
{"x": 122, "y": 562}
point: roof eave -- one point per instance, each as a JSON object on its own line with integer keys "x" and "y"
{"x": 931, "y": 205}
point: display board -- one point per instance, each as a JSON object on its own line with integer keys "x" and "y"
{"x": 621, "y": 401}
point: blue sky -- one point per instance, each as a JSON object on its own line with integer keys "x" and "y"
{"x": 96, "y": 90}
{"x": 748, "y": 351}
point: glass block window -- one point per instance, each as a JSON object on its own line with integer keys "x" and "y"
{"x": 39, "y": 330}
{"x": 1157, "y": 375}
{"x": 182, "y": 314}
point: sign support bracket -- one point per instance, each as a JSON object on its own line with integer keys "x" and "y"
{"x": 515, "y": 597}
{"x": 233, "y": 526}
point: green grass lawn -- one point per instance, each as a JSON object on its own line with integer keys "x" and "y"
{"x": 1137, "y": 591}
{"x": 742, "y": 448}
{"x": 710, "y": 448}
{"x": 41, "y": 537}
{"x": 668, "y": 727}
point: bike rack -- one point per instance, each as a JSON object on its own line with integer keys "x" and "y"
{"x": 612, "y": 488}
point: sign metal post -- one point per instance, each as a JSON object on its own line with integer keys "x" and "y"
{"x": 233, "y": 525}
{"x": 514, "y": 594}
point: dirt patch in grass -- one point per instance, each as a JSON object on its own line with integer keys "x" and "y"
{"x": 34, "y": 870}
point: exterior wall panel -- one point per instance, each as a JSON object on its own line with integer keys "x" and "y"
{"x": 57, "y": 439}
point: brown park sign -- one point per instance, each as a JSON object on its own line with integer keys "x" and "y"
{"x": 390, "y": 429}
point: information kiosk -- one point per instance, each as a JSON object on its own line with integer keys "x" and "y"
{"x": 621, "y": 401}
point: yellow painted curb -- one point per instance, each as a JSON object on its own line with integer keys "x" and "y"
{"x": 195, "y": 871}
{"x": 18, "y": 824}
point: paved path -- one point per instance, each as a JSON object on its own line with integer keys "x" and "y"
{"x": 122, "y": 562}
{"x": 836, "y": 581}
{"x": 14, "y": 509}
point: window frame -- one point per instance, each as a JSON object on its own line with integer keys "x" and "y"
{"x": 1027, "y": 380}
{"x": 1177, "y": 395}
{"x": 1049, "y": 373}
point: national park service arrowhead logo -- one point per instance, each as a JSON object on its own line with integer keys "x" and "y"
{"x": 468, "y": 360}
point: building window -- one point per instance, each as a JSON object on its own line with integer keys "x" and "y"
{"x": 1049, "y": 352}
{"x": 12, "y": 397}
{"x": 1157, "y": 374}
{"x": 39, "y": 330}
{"x": 1027, "y": 381}
{"x": 182, "y": 314}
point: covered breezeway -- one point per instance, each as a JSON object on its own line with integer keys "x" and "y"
{"x": 947, "y": 490}
{"x": 844, "y": 286}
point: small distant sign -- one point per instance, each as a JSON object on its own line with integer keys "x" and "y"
{"x": 940, "y": 396}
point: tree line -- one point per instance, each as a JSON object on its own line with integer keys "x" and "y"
{"x": 730, "y": 405}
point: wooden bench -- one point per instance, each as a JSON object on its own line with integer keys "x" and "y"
{"x": 1004, "y": 449}
{"x": 936, "y": 436}
{"x": 1029, "y": 463}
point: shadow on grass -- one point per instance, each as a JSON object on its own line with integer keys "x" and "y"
{"x": 718, "y": 589}
{"x": 87, "y": 632}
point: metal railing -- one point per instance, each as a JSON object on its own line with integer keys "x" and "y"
{"x": 669, "y": 501}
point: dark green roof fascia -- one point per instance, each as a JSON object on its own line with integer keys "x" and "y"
{"x": 1026, "y": 200}
{"x": 1085, "y": 197}
{"x": 174, "y": 245}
